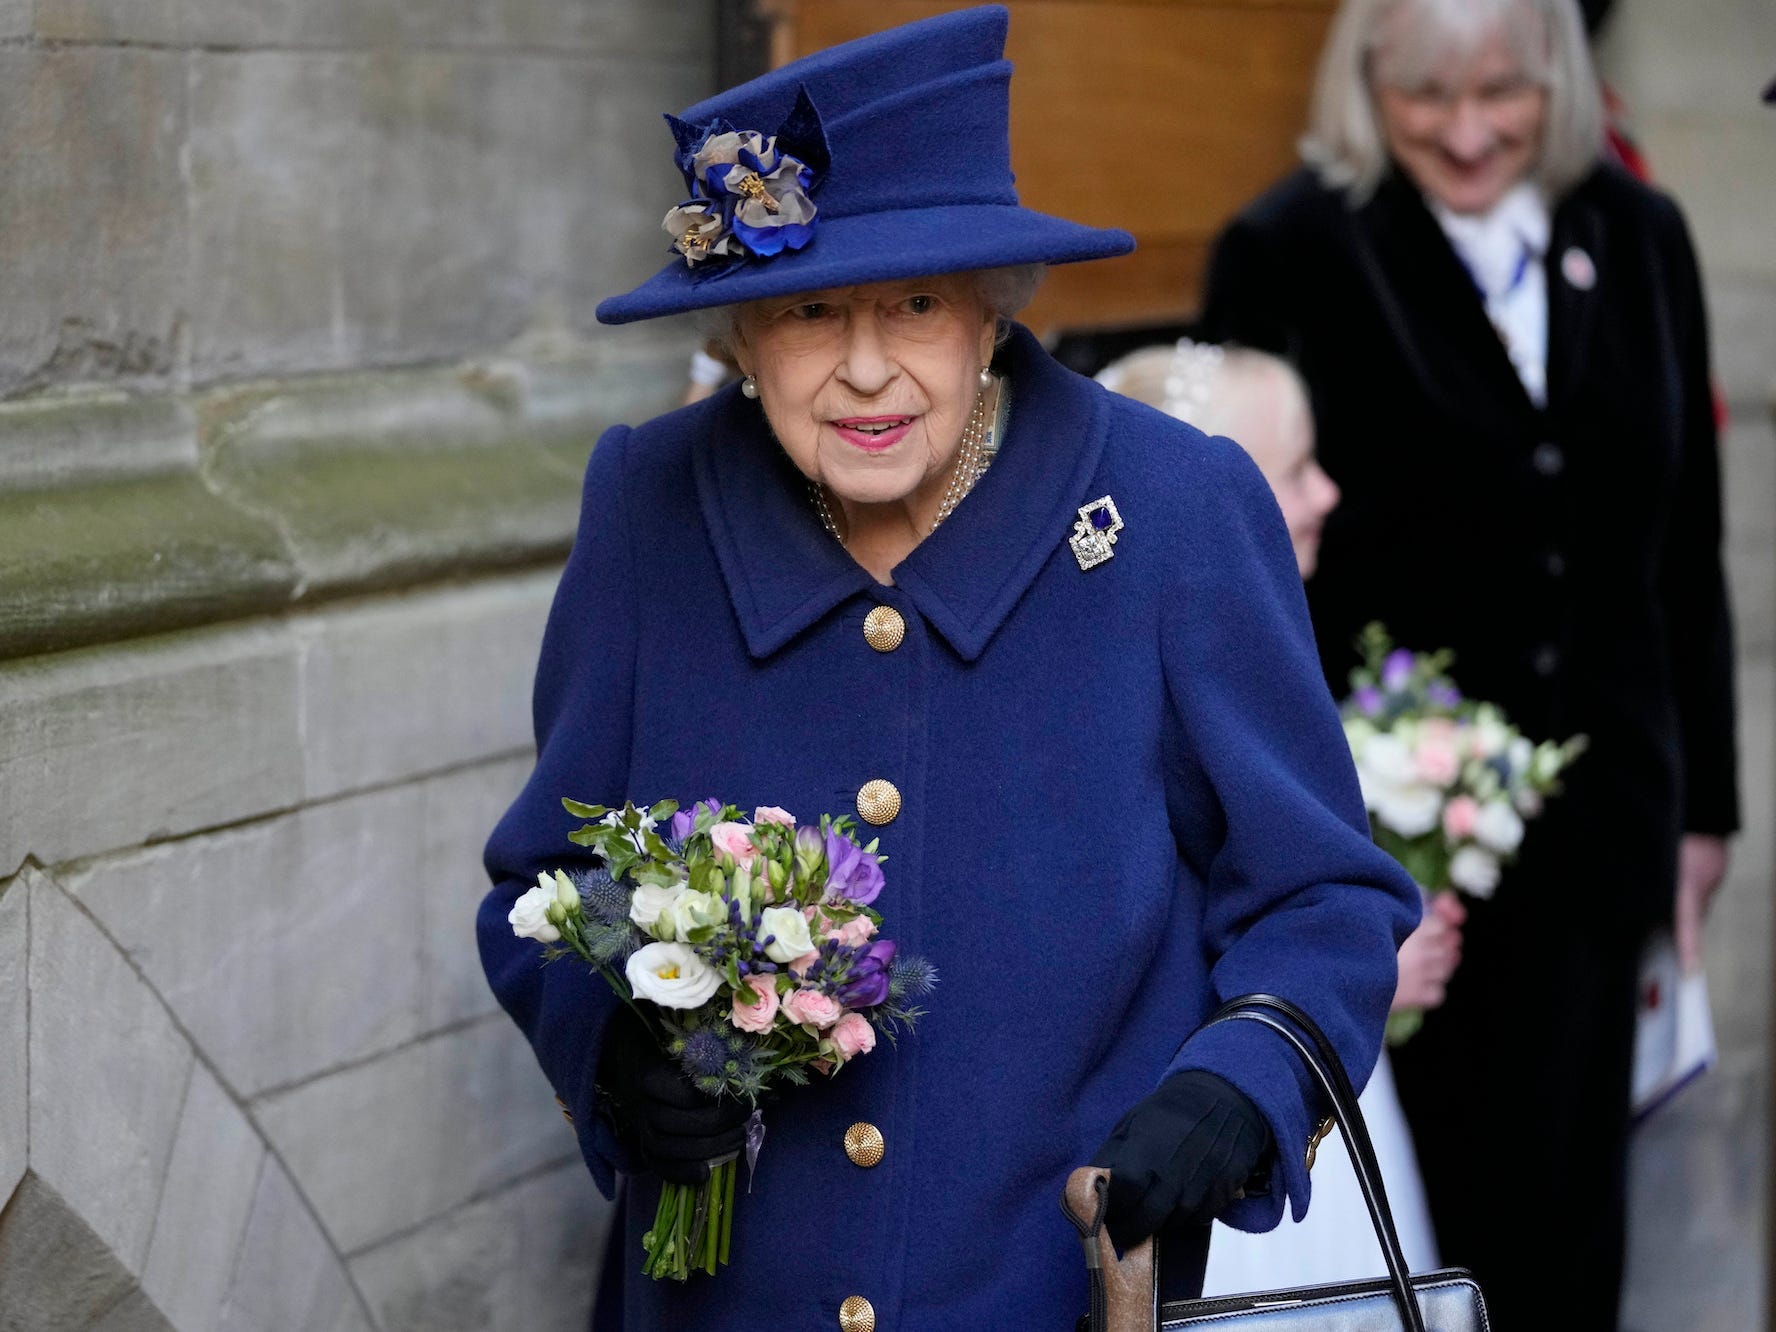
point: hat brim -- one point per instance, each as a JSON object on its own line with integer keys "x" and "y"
{"x": 873, "y": 247}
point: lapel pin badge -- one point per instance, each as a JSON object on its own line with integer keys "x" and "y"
{"x": 1094, "y": 535}
{"x": 1578, "y": 270}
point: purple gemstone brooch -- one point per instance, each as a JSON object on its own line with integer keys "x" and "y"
{"x": 1094, "y": 535}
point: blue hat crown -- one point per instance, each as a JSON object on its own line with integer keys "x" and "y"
{"x": 889, "y": 157}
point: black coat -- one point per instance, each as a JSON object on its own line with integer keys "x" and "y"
{"x": 1571, "y": 558}
{"x": 1569, "y": 555}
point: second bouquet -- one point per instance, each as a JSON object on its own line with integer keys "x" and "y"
{"x": 750, "y": 949}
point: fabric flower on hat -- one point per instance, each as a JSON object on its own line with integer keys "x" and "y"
{"x": 700, "y": 231}
{"x": 750, "y": 192}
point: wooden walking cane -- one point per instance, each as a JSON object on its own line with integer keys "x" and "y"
{"x": 1125, "y": 1291}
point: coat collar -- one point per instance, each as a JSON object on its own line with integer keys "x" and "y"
{"x": 784, "y": 572}
{"x": 1578, "y": 267}
{"x": 1440, "y": 324}
{"x": 1430, "y": 303}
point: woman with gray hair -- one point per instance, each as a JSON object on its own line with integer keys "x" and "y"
{"x": 1506, "y": 347}
{"x": 1048, "y": 644}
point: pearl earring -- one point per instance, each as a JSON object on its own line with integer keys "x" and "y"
{"x": 986, "y": 378}
{"x": 749, "y": 386}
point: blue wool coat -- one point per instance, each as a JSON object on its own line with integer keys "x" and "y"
{"x": 1125, "y": 797}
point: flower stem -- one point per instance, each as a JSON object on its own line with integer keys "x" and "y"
{"x": 727, "y": 1210}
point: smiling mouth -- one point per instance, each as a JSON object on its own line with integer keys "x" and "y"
{"x": 874, "y": 425}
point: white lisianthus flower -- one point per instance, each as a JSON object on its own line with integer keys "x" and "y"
{"x": 1519, "y": 754}
{"x": 1499, "y": 827}
{"x": 791, "y": 929}
{"x": 1411, "y": 809}
{"x": 650, "y": 904}
{"x": 1490, "y": 734}
{"x": 1475, "y": 870}
{"x": 529, "y": 916}
{"x": 1358, "y": 732}
{"x": 566, "y": 895}
{"x": 1528, "y": 801}
{"x": 671, "y": 975}
{"x": 693, "y": 910}
{"x": 1388, "y": 759}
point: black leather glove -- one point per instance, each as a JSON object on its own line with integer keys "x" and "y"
{"x": 1187, "y": 1149}
{"x": 653, "y": 1107}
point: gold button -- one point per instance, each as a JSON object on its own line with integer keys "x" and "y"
{"x": 883, "y": 629}
{"x": 864, "y": 1145}
{"x": 857, "y": 1314}
{"x": 878, "y": 802}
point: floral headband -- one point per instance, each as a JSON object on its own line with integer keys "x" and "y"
{"x": 749, "y": 194}
{"x": 1190, "y": 379}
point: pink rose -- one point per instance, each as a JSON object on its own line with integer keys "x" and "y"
{"x": 762, "y": 1011}
{"x": 856, "y": 932}
{"x": 771, "y": 814}
{"x": 853, "y": 1035}
{"x": 812, "y": 1008}
{"x": 1460, "y": 816}
{"x": 1438, "y": 763}
{"x": 731, "y": 839}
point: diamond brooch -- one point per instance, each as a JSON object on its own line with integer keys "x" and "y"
{"x": 1094, "y": 535}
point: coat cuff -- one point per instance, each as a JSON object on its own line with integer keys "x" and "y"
{"x": 603, "y": 1151}
{"x": 1261, "y": 1065}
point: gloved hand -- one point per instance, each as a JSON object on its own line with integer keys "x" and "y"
{"x": 653, "y": 1106}
{"x": 1187, "y": 1148}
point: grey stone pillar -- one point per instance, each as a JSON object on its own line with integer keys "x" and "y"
{"x": 298, "y": 375}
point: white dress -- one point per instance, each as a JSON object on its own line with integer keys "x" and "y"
{"x": 1336, "y": 1241}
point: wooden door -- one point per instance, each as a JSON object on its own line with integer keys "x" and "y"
{"x": 1159, "y": 116}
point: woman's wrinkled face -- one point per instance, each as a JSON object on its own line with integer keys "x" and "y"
{"x": 868, "y": 388}
{"x": 1470, "y": 128}
{"x": 1272, "y": 421}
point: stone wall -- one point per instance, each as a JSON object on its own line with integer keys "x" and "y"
{"x": 298, "y": 374}
{"x": 1690, "y": 73}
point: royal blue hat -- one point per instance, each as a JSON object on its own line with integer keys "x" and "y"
{"x": 885, "y": 157}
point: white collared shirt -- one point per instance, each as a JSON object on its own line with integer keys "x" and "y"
{"x": 1503, "y": 251}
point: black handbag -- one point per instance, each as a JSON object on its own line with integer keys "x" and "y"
{"x": 1125, "y": 1291}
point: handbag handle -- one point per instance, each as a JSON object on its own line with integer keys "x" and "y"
{"x": 1125, "y": 1291}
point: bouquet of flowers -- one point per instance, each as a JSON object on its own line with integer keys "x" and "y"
{"x": 1448, "y": 782}
{"x": 750, "y": 950}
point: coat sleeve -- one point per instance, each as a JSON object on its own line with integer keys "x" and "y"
{"x": 1692, "y": 585}
{"x": 1299, "y": 901}
{"x": 582, "y": 711}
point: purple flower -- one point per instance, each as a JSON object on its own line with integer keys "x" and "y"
{"x": 1443, "y": 695}
{"x": 1396, "y": 670}
{"x": 852, "y": 873}
{"x": 684, "y": 823}
{"x": 867, "y": 985}
{"x": 1368, "y": 700}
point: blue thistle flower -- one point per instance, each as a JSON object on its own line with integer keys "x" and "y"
{"x": 600, "y": 896}
{"x": 910, "y": 977}
{"x": 706, "y": 1054}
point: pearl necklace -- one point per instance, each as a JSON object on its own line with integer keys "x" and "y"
{"x": 973, "y": 457}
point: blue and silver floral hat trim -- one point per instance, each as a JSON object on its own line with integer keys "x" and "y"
{"x": 749, "y": 194}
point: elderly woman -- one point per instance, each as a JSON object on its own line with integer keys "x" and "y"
{"x": 1050, "y": 644}
{"x": 1505, "y": 344}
